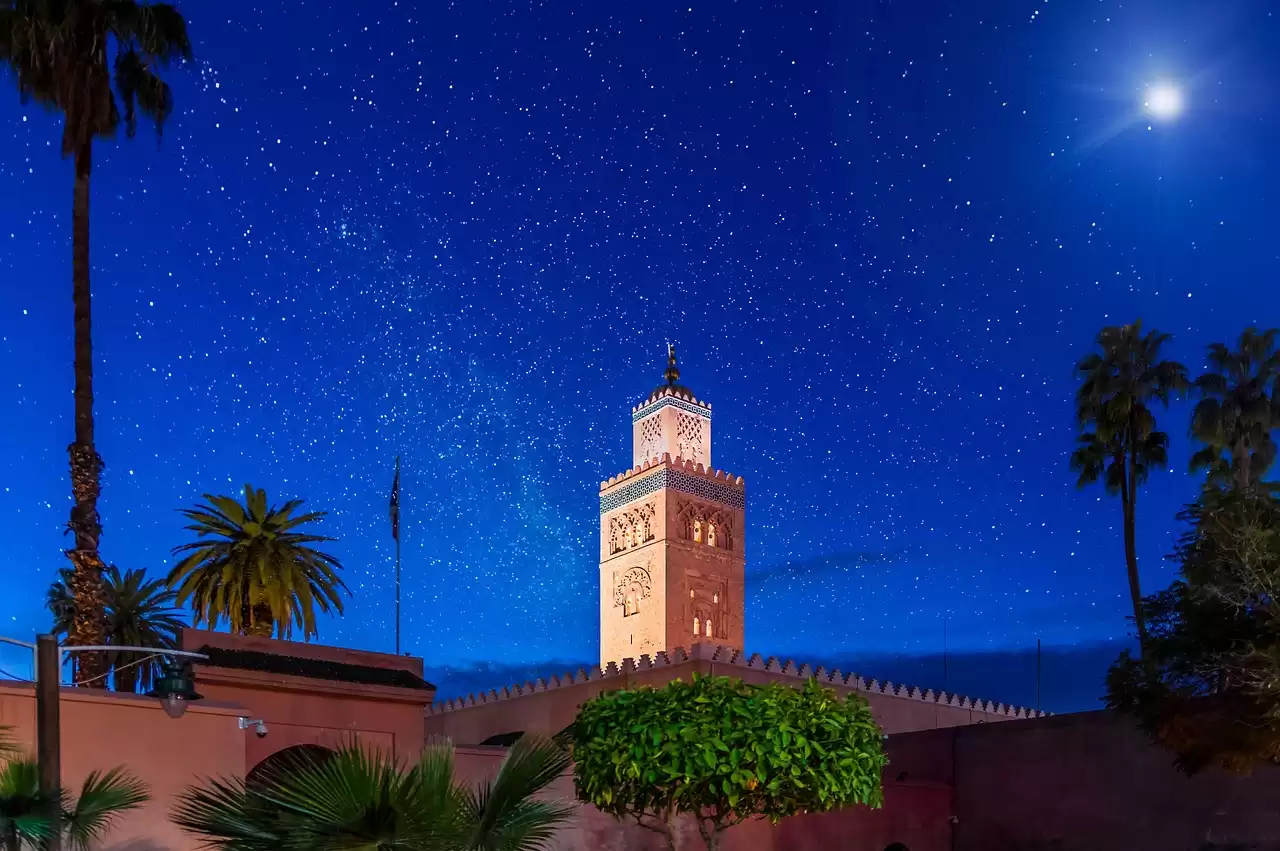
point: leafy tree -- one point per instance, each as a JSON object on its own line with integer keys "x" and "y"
{"x": 723, "y": 752}
{"x": 250, "y": 565}
{"x": 358, "y": 800}
{"x": 140, "y": 613}
{"x": 24, "y": 810}
{"x": 57, "y": 52}
{"x": 1239, "y": 409}
{"x": 1209, "y": 686}
{"x": 1120, "y": 444}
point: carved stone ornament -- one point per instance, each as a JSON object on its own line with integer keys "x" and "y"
{"x": 631, "y": 586}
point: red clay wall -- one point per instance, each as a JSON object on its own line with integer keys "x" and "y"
{"x": 914, "y": 814}
{"x": 1088, "y": 782}
{"x": 103, "y": 730}
{"x": 550, "y": 710}
{"x": 299, "y": 710}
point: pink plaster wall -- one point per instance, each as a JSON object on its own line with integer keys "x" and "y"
{"x": 552, "y": 709}
{"x": 1090, "y": 781}
{"x": 914, "y": 814}
{"x": 103, "y": 730}
{"x": 300, "y": 710}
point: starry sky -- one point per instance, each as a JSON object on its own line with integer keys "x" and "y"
{"x": 880, "y": 234}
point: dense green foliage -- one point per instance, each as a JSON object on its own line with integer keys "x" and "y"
{"x": 724, "y": 751}
{"x": 1119, "y": 444}
{"x": 140, "y": 613}
{"x": 1209, "y": 686}
{"x": 251, "y": 566}
{"x": 356, "y": 800}
{"x": 24, "y": 819}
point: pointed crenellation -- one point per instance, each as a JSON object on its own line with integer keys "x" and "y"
{"x": 665, "y": 461}
{"x": 730, "y": 657}
{"x": 661, "y": 393}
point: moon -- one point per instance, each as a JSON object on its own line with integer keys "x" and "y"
{"x": 1163, "y": 101}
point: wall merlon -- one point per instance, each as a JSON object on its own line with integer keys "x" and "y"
{"x": 685, "y": 466}
{"x": 729, "y": 657}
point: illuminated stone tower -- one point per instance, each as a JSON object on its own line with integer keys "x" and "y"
{"x": 671, "y": 534}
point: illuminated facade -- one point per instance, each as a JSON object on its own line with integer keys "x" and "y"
{"x": 672, "y": 552}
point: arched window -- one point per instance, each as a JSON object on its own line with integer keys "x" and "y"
{"x": 695, "y": 625}
{"x": 711, "y": 534}
{"x": 708, "y": 627}
{"x": 715, "y": 598}
{"x": 697, "y": 531}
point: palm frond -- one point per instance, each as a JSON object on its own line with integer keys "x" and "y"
{"x": 103, "y": 797}
{"x": 501, "y": 813}
{"x": 250, "y": 564}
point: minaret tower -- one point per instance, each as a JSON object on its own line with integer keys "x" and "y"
{"x": 672, "y": 551}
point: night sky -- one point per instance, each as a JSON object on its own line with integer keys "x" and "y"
{"x": 880, "y": 234}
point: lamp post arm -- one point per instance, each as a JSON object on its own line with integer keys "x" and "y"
{"x": 159, "y": 651}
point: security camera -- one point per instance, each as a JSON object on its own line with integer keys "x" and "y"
{"x": 258, "y": 725}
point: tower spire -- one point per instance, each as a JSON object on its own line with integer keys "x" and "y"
{"x": 673, "y": 369}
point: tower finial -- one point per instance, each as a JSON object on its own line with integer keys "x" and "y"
{"x": 673, "y": 370}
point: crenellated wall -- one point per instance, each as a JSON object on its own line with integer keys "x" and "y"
{"x": 547, "y": 707}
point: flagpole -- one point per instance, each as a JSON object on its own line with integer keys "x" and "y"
{"x": 395, "y": 533}
{"x": 397, "y": 555}
{"x": 397, "y": 595}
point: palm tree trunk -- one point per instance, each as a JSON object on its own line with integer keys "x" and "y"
{"x": 1129, "y": 495}
{"x": 126, "y": 679}
{"x": 85, "y": 585}
{"x": 259, "y": 621}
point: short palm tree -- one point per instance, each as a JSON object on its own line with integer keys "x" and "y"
{"x": 1120, "y": 444}
{"x": 141, "y": 612}
{"x": 24, "y": 810}
{"x": 58, "y": 54}
{"x": 251, "y": 566}
{"x": 1239, "y": 409}
{"x": 362, "y": 801}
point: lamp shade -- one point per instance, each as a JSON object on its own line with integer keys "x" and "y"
{"x": 175, "y": 688}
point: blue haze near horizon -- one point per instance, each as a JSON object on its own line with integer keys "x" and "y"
{"x": 880, "y": 235}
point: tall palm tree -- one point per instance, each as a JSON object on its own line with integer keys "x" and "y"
{"x": 24, "y": 809}
{"x": 141, "y": 612}
{"x": 1239, "y": 409}
{"x": 361, "y": 801}
{"x": 1120, "y": 444}
{"x": 57, "y": 51}
{"x": 250, "y": 565}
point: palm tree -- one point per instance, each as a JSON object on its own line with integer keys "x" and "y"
{"x": 1239, "y": 408}
{"x": 24, "y": 809}
{"x": 1120, "y": 443}
{"x": 57, "y": 51}
{"x": 361, "y": 801}
{"x": 141, "y": 612}
{"x": 249, "y": 565}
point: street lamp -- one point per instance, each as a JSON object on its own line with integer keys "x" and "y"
{"x": 175, "y": 689}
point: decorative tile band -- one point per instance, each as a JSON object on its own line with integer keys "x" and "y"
{"x": 665, "y": 477}
{"x": 663, "y": 401}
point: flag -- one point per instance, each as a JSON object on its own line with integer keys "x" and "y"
{"x": 395, "y": 503}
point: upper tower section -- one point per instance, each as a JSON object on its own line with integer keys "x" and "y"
{"x": 672, "y": 421}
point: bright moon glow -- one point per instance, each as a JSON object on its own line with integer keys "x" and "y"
{"x": 1164, "y": 101}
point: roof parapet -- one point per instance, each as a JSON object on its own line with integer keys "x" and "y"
{"x": 732, "y": 657}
